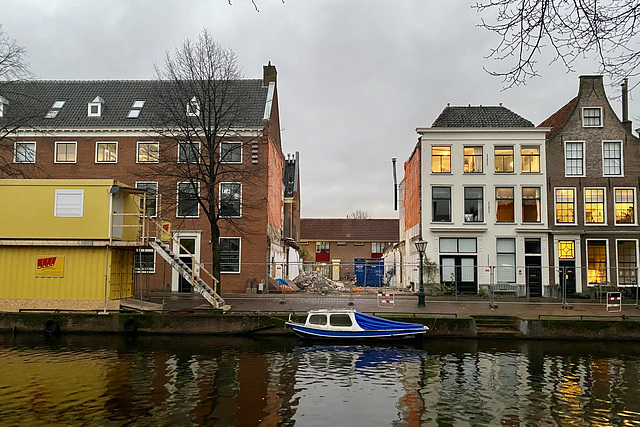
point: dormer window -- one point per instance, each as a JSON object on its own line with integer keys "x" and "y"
{"x": 136, "y": 108}
{"x": 4, "y": 105}
{"x": 592, "y": 117}
{"x": 55, "y": 109}
{"x": 95, "y": 107}
{"x": 193, "y": 107}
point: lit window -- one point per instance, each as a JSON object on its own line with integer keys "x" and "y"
{"x": 503, "y": 159}
{"x": 145, "y": 261}
{"x": 441, "y": 159}
{"x": 472, "y": 159}
{"x": 506, "y": 260}
{"x": 505, "y": 205}
{"x": 592, "y": 116}
{"x": 24, "y": 152}
{"x": 473, "y": 203}
{"x": 441, "y": 199}
{"x": 231, "y": 152}
{"x": 574, "y": 158}
{"x": 625, "y": 201}
{"x": 188, "y": 152}
{"x": 66, "y": 152}
{"x": 135, "y": 110}
{"x": 531, "y": 204}
{"x": 148, "y": 152}
{"x": 106, "y": 152}
{"x": 55, "y": 109}
{"x": 566, "y": 249}
{"x": 565, "y": 206}
{"x": 188, "y": 199}
{"x": 230, "y": 199}
{"x": 612, "y": 158}
{"x": 230, "y": 254}
{"x": 530, "y": 159}
{"x": 627, "y": 263}
{"x": 597, "y": 261}
{"x": 149, "y": 203}
{"x": 594, "y": 206}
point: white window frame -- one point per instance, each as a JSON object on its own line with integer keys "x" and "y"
{"x": 621, "y": 174}
{"x": 15, "y": 151}
{"x": 55, "y": 153}
{"x": 181, "y": 144}
{"x": 239, "y": 255}
{"x": 55, "y": 109}
{"x": 529, "y": 146}
{"x": 106, "y": 142}
{"x": 136, "y": 109}
{"x": 635, "y": 205}
{"x": 156, "y": 196}
{"x": 575, "y": 206}
{"x": 73, "y": 197}
{"x": 240, "y": 150}
{"x": 193, "y": 107}
{"x": 97, "y": 102}
{"x": 145, "y": 270}
{"x": 220, "y": 200}
{"x": 607, "y": 253}
{"x": 584, "y": 207}
{"x": 4, "y": 103}
{"x": 618, "y": 260}
{"x": 507, "y": 270}
{"x": 138, "y": 152}
{"x": 197, "y": 215}
{"x": 592, "y": 126}
{"x": 584, "y": 155}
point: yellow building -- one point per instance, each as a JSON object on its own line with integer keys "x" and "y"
{"x": 67, "y": 244}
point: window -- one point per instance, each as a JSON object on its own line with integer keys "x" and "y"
{"x": 145, "y": 261}
{"x": 188, "y": 152}
{"x": 530, "y": 159}
{"x": 472, "y": 159}
{"x": 55, "y": 109}
{"x": 193, "y": 107}
{"x": 95, "y": 107}
{"x": 454, "y": 246}
{"x": 377, "y": 247}
{"x": 24, "y": 152}
{"x": 594, "y": 206}
{"x": 532, "y": 246}
{"x": 149, "y": 203}
{"x": 322, "y": 247}
{"x": 627, "y": 263}
{"x": 441, "y": 159}
{"x": 503, "y": 158}
{"x": 230, "y": 199}
{"x": 136, "y": 109}
{"x": 473, "y": 204}
{"x": 318, "y": 319}
{"x": 566, "y": 249}
{"x": 531, "y": 211}
{"x": 565, "y": 206}
{"x": 597, "y": 261}
{"x": 68, "y": 203}
{"x": 592, "y": 117}
{"x": 340, "y": 320}
{"x": 66, "y": 152}
{"x": 230, "y": 254}
{"x": 231, "y": 152}
{"x": 441, "y": 198}
{"x": 342, "y": 243}
{"x": 148, "y": 152}
{"x": 505, "y": 205}
{"x": 625, "y": 201}
{"x": 612, "y": 158}
{"x": 4, "y": 104}
{"x": 106, "y": 152}
{"x": 188, "y": 199}
{"x": 358, "y": 243}
{"x": 574, "y": 159}
{"x": 506, "y": 260}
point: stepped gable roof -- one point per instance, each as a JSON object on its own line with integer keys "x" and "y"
{"x": 358, "y": 230}
{"x": 480, "y": 117}
{"x": 33, "y": 99}
{"x": 557, "y": 120}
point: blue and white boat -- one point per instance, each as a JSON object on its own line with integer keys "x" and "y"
{"x": 349, "y": 324}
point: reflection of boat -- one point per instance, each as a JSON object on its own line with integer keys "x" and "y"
{"x": 349, "y": 324}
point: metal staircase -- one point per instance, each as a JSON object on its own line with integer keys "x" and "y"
{"x": 188, "y": 274}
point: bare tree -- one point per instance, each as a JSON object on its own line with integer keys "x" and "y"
{"x": 570, "y": 29}
{"x": 359, "y": 214}
{"x": 200, "y": 101}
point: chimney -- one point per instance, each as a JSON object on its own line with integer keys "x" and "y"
{"x": 625, "y": 106}
{"x": 269, "y": 74}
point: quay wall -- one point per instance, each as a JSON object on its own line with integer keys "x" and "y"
{"x": 263, "y": 323}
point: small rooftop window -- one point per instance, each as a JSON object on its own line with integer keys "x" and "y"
{"x": 95, "y": 107}
{"x": 193, "y": 107}
{"x": 55, "y": 109}
{"x": 4, "y": 103}
{"x": 136, "y": 108}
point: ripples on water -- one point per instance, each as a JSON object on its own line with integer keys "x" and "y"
{"x": 176, "y": 381}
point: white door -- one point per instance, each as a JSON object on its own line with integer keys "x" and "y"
{"x": 189, "y": 244}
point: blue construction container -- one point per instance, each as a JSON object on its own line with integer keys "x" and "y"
{"x": 369, "y": 272}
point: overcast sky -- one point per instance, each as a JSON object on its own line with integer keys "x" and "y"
{"x": 355, "y": 77}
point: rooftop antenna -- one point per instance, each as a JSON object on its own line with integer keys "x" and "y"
{"x": 395, "y": 185}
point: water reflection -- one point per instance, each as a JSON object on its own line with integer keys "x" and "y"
{"x": 175, "y": 381}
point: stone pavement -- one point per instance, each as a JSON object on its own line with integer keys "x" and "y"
{"x": 368, "y": 302}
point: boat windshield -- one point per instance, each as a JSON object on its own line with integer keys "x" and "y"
{"x": 340, "y": 320}
{"x": 318, "y": 319}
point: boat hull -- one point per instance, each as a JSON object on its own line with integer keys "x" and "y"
{"x": 306, "y": 332}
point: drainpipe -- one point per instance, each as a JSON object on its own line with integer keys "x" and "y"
{"x": 625, "y": 106}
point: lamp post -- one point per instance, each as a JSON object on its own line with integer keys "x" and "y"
{"x": 421, "y": 246}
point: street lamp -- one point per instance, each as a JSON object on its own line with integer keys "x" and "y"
{"x": 421, "y": 246}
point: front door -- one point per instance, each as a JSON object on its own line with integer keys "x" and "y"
{"x": 460, "y": 273}
{"x": 189, "y": 244}
{"x": 533, "y": 266}
{"x": 568, "y": 277}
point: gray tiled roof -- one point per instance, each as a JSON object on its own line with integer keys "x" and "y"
{"x": 35, "y": 98}
{"x": 480, "y": 117}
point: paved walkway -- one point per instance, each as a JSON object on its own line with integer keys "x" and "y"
{"x": 298, "y": 302}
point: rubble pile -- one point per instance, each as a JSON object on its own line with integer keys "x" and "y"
{"x": 314, "y": 281}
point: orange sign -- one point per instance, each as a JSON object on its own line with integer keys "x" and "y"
{"x": 49, "y": 266}
{"x": 165, "y": 235}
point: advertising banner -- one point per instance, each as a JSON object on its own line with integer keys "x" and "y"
{"x": 49, "y": 266}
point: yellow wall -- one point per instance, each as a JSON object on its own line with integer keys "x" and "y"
{"x": 84, "y": 273}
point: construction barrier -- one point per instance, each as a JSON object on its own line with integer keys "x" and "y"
{"x": 614, "y": 301}
{"x": 385, "y": 299}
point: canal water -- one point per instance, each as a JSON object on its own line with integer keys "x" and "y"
{"x": 103, "y": 380}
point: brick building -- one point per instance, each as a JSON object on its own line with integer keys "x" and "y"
{"x": 110, "y": 130}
